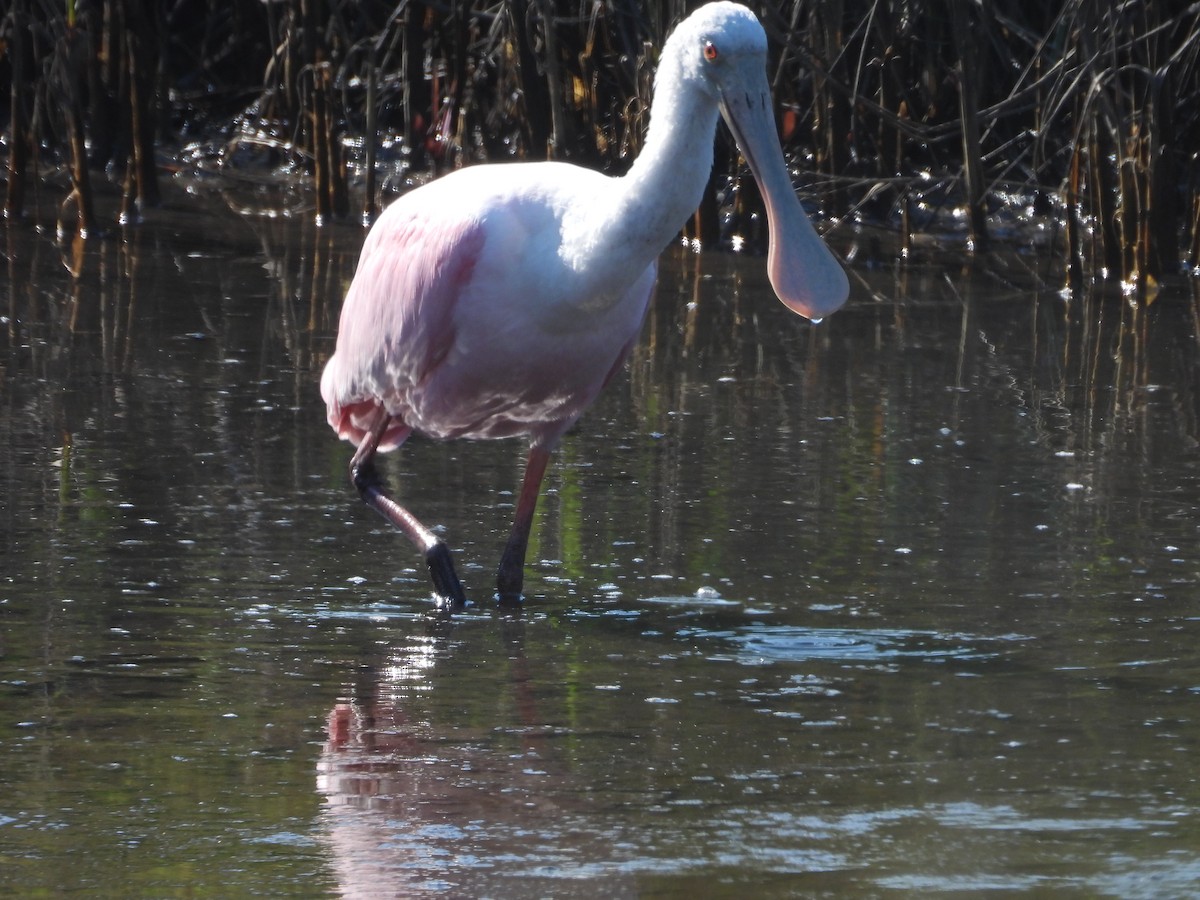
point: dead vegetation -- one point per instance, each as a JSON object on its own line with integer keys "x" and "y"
{"x": 969, "y": 120}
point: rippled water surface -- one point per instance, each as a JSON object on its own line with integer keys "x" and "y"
{"x": 904, "y": 604}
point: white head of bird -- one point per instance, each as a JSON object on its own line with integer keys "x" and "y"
{"x": 713, "y": 63}
{"x": 720, "y": 51}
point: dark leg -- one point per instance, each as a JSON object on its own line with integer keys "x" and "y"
{"x": 511, "y": 576}
{"x": 371, "y": 489}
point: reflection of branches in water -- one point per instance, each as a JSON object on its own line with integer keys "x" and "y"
{"x": 1046, "y": 387}
{"x": 723, "y": 367}
{"x": 170, "y": 347}
{"x": 1085, "y": 359}
{"x": 1105, "y": 416}
{"x": 1107, "y": 377}
{"x": 85, "y": 326}
{"x": 309, "y": 271}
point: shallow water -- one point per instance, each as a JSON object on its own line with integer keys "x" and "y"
{"x": 903, "y": 604}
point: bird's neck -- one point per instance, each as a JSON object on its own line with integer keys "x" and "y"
{"x": 667, "y": 180}
{"x": 645, "y": 209}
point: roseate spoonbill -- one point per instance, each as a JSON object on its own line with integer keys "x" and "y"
{"x": 498, "y": 300}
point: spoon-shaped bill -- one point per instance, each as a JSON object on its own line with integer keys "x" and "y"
{"x": 805, "y": 274}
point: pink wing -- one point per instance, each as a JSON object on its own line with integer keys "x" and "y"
{"x": 397, "y": 321}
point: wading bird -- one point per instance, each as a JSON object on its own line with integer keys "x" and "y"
{"x": 498, "y": 300}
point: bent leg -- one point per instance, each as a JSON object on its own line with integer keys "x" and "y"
{"x": 370, "y": 487}
{"x": 511, "y": 576}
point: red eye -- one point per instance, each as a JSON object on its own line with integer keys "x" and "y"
{"x": 710, "y": 51}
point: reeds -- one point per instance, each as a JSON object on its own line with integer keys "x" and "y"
{"x": 970, "y": 119}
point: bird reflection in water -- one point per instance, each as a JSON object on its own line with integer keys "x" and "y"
{"x": 425, "y": 797}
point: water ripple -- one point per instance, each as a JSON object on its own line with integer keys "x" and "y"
{"x": 761, "y": 643}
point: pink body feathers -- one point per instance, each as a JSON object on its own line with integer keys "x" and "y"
{"x": 441, "y": 331}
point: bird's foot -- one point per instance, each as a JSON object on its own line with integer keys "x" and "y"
{"x": 509, "y": 600}
{"x": 508, "y": 587}
{"x": 445, "y": 579}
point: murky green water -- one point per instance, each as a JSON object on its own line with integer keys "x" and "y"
{"x": 904, "y": 604}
